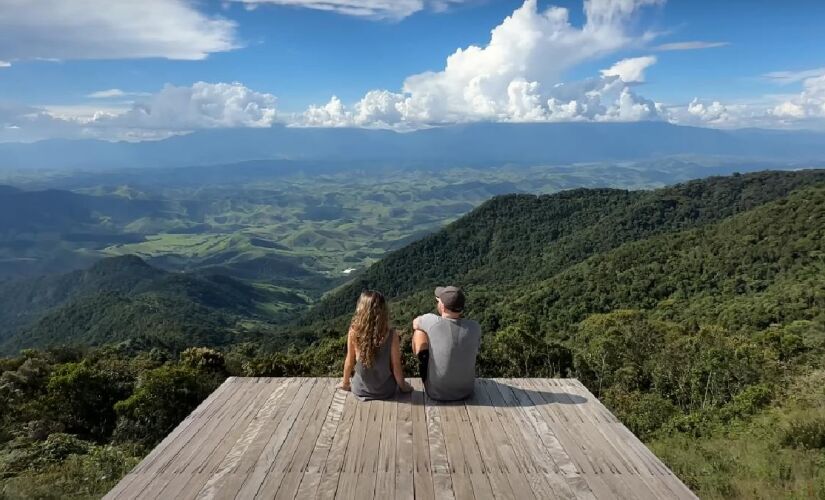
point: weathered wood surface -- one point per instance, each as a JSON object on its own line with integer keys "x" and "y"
{"x": 267, "y": 438}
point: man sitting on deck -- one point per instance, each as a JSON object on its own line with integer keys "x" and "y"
{"x": 446, "y": 346}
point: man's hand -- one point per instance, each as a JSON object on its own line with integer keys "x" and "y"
{"x": 405, "y": 387}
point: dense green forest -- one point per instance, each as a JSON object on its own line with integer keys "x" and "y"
{"x": 696, "y": 312}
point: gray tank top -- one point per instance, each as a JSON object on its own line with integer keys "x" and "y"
{"x": 454, "y": 345}
{"x": 377, "y": 381}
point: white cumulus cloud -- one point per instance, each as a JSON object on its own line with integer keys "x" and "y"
{"x": 630, "y": 70}
{"x": 105, "y": 29}
{"x": 172, "y": 110}
{"x": 714, "y": 112}
{"x": 201, "y": 105}
{"x": 332, "y": 114}
{"x": 512, "y": 77}
{"x": 808, "y": 104}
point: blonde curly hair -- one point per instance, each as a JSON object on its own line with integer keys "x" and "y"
{"x": 369, "y": 325}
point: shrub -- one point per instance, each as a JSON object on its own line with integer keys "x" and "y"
{"x": 807, "y": 432}
{"x": 204, "y": 358}
{"x": 643, "y": 414}
{"x": 162, "y": 399}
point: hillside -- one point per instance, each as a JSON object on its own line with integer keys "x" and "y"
{"x": 124, "y": 299}
{"x": 517, "y": 239}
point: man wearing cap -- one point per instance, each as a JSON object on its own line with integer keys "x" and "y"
{"x": 446, "y": 345}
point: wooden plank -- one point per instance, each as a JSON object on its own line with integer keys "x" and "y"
{"x": 368, "y": 461}
{"x": 219, "y": 442}
{"x": 349, "y": 470}
{"x": 124, "y": 482}
{"x": 541, "y": 454}
{"x": 404, "y": 461}
{"x": 623, "y": 479}
{"x": 297, "y": 465}
{"x": 184, "y": 431}
{"x": 190, "y": 441}
{"x": 439, "y": 462}
{"x": 495, "y": 470}
{"x": 563, "y": 447}
{"x": 435, "y": 435}
{"x": 473, "y": 463}
{"x": 239, "y": 426}
{"x": 309, "y": 486}
{"x": 499, "y": 435}
{"x": 518, "y": 450}
{"x": 324, "y": 443}
{"x": 274, "y": 392}
{"x": 203, "y": 466}
{"x": 335, "y": 459}
{"x": 640, "y": 476}
{"x": 623, "y": 435}
{"x": 311, "y": 478}
{"x": 257, "y": 474}
{"x": 385, "y": 473}
{"x": 542, "y": 473}
{"x": 269, "y": 421}
{"x": 160, "y": 449}
{"x": 320, "y": 395}
{"x": 200, "y": 451}
{"x": 460, "y": 475}
{"x": 422, "y": 471}
{"x": 616, "y": 475}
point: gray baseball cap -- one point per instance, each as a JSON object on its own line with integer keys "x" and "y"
{"x": 452, "y": 297}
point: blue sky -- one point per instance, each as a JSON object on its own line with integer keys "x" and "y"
{"x": 135, "y": 72}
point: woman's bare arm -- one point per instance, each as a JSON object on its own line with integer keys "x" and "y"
{"x": 349, "y": 361}
{"x": 395, "y": 360}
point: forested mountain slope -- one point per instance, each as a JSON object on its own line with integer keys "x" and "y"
{"x": 522, "y": 238}
{"x": 124, "y": 299}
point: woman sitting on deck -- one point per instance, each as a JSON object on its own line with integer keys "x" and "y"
{"x": 373, "y": 351}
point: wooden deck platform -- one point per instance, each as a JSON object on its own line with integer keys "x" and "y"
{"x": 301, "y": 438}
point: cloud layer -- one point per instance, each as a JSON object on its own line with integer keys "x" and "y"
{"x": 375, "y": 9}
{"x": 103, "y": 29}
{"x": 692, "y": 45}
{"x": 171, "y": 110}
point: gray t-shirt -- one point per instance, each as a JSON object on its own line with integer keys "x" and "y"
{"x": 454, "y": 346}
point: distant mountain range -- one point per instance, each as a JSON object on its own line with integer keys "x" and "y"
{"x": 469, "y": 144}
